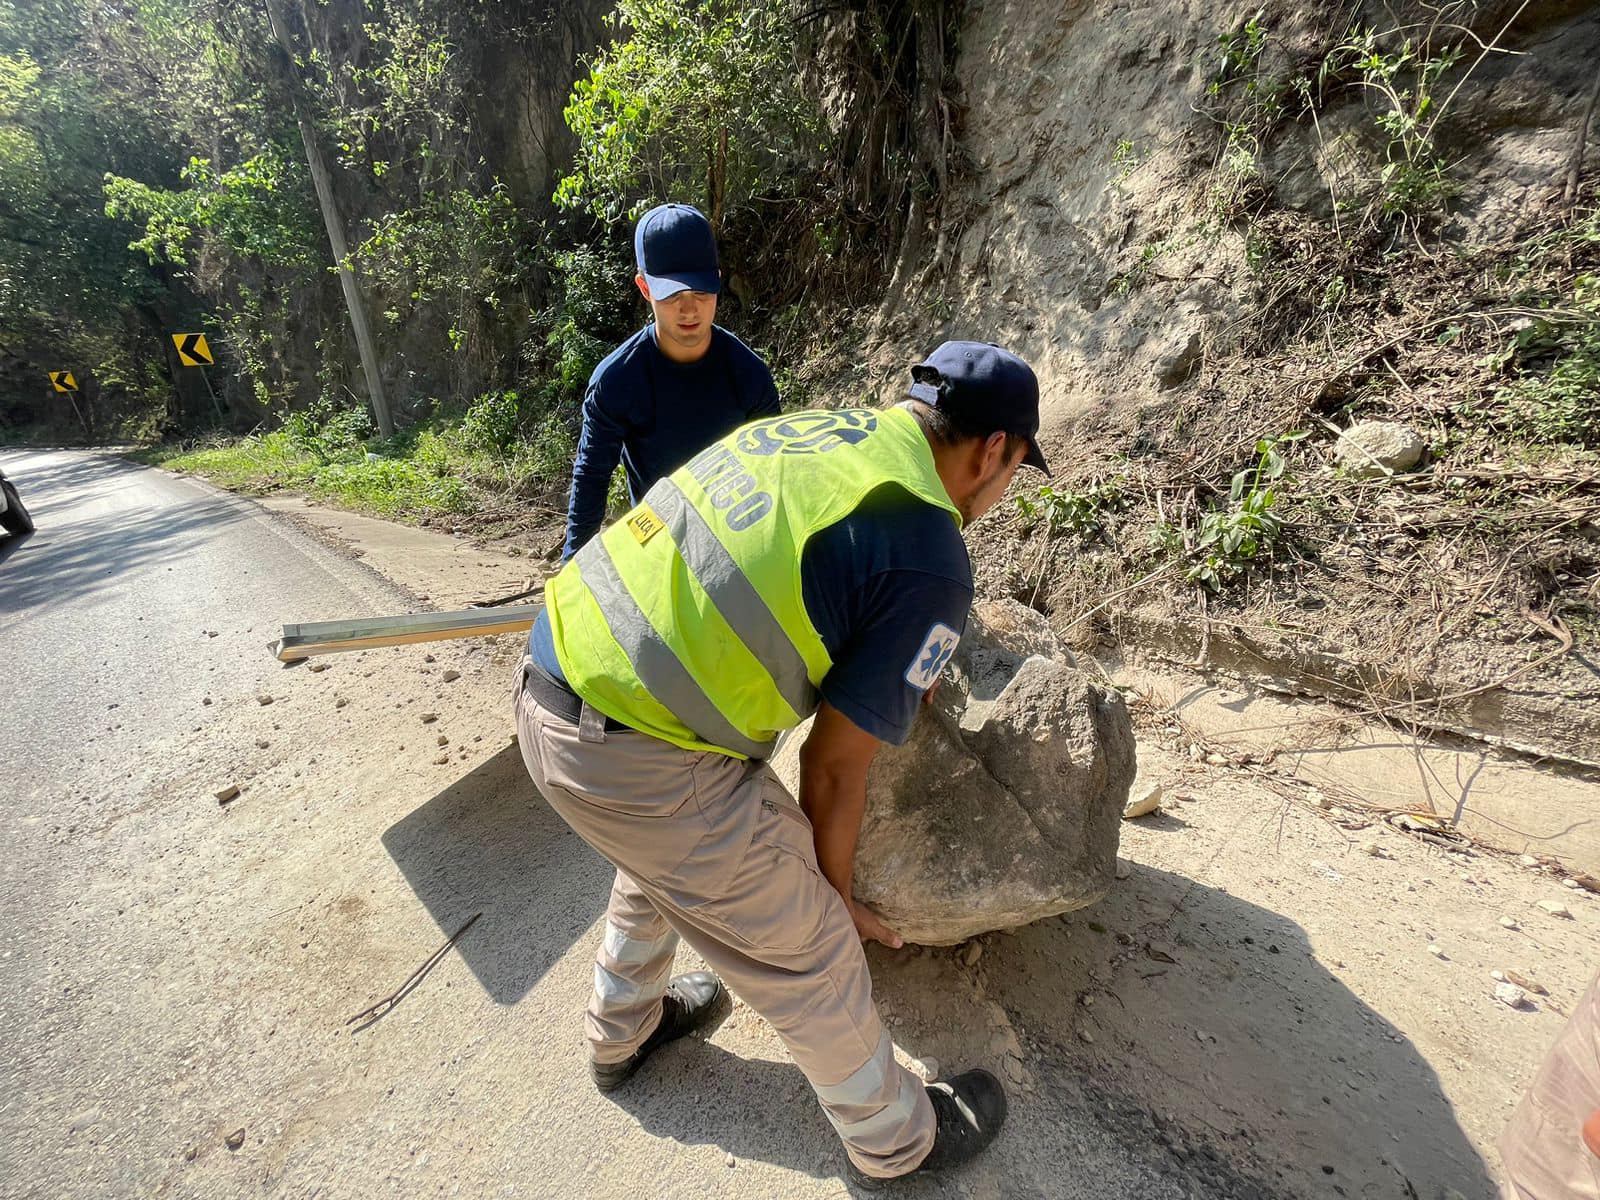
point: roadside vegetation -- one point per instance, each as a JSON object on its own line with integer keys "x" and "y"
{"x": 156, "y": 179}
{"x": 474, "y": 464}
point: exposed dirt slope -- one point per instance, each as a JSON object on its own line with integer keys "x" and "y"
{"x": 1208, "y": 228}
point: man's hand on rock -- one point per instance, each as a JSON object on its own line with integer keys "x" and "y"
{"x": 871, "y": 927}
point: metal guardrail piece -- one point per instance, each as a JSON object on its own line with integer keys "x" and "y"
{"x": 365, "y": 633}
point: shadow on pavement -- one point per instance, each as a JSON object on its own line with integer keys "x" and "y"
{"x": 699, "y": 1094}
{"x": 90, "y": 552}
{"x": 11, "y": 543}
{"x": 489, "y": 843}
{"x": 1245, "y": 1064}
{"x": 1240, "y": 1069}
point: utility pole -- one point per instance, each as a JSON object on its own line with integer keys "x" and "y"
{"x": 215, "y": 407}
{"x": 323, "y": 183}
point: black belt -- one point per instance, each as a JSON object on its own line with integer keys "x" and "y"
{"x": 557, "y": 697}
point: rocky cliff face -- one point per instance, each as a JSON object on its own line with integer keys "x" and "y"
{"x": 1086, "y": 240}
{"x": 507, "y": 73}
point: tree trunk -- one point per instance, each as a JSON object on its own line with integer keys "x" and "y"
{"x": 322, "y": 181}
{"x": 930, "y": 174}
{"x": 718, "y": 182}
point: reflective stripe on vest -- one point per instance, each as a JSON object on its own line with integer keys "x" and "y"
{"x": 734, "y": 595}
{"x": 686, "y": 620}
{"x": 653, "y": 661}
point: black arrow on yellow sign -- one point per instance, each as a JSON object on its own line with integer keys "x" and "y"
{"x": 193, "y": 350}
{"x": 63, "y": 381}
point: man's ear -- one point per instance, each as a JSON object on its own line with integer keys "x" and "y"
{"x": 644, "y": 288}
{"x": 994, "y": 451}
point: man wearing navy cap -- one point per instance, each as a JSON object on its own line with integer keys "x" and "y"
{"x": 674, "y": 387}
{"x": 810, "y": 563}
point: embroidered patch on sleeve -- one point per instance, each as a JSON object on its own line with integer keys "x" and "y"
{"x": 936, "y": 650}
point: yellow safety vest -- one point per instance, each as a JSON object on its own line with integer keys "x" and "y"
{"x": 685, "y": 619}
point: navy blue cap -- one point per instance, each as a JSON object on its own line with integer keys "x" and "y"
{"x": 984, "y": 387}
{"x": 676, "y": 252}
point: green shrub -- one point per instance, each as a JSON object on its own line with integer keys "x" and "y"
{"x": 591, "y": 314}
{"x": 546, "y": 456}
{"x": 328, "y": 433}
{"x": 1561, "y": 405}
{"x": 492, "y": 424}
{"x": 1233, "y": 539}
{"x": 1080, "y": 513}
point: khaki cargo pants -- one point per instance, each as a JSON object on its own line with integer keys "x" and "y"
{"x": 1542, "y": 1148}
{"x": 716, "y": 851}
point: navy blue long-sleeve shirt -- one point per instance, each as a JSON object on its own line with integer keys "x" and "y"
{"x": 655, "y": 414}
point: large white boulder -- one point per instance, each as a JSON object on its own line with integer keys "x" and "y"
{"x": 1004, "y": 806}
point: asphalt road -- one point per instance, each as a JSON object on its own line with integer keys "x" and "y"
{"x": 104, "y": 613}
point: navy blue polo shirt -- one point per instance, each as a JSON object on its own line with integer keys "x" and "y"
{"x": 655, "y": 415}
{"x": 888, "y": 588}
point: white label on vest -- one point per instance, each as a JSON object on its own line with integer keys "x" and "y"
{"x": 936, "y": 650}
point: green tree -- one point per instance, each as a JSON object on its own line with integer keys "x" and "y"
{"x": 699, "y": 101}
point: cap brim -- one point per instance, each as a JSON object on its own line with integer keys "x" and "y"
{"x": 928, "y": 393}
{"x": 1033, "y": 458}
{"x": 664, "y": 287}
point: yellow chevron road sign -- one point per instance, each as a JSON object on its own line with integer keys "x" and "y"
{"x": 193, "y": 350}
{"x": 63, "y": 381}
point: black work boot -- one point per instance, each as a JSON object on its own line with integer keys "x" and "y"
{"x": 969, "y": 1110}
{"x": 690, "y": 1001}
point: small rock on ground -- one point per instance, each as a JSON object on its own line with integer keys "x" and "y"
{"x": 235, "y": 1139}
{"x": 1373, "y": 449}
{"x": 1526, "y": 984}
{"x": 451, "y": 675}
{"x": 1555, "y": 908}
{"x": 1143, "y": 800}
{"x": 231, "y": 792}
{"x": 1510, "y": 995}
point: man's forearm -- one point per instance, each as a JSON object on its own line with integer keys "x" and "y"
{"x": 586, "y": 502}
{"x": 834, "y": 805}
